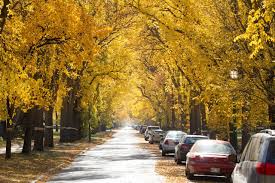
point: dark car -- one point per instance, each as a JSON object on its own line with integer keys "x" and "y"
{"x": 211, "y": 157}
{"x": 257, "y": 162}
{"x": 184, "y": 146}
{"x": 142, "y": 129}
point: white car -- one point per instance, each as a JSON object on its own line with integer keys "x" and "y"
{"x": 146, "y": 134}
{"x": 170, "y": 141}
{"x": 155, "y": 135}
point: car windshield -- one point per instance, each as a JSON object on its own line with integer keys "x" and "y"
{"x": 271, "y": 152}
{"x": 212, "y": 147}
{"x": 158, "y": 131}
{"x": 192, "y": 140}
{"x": 175, "y": 135}
{"x": 153, "y": 127}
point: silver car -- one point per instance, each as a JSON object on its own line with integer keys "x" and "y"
{"x": 170, "y": 141}
{"x": 257, "y": 162}
{"x": 155, "y": 135}
{"x": 148, "y": 129}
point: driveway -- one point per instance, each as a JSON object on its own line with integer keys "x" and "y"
{"x": 119, "y": 160}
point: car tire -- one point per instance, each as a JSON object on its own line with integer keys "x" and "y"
{"x": 151, "y": 142}
{"x": 228, "y": 179}
{"x": 163, "y": 153}
{"x": 178, "y": 161}
{"x": 160, "y": 146}
{"x": 189, "y": 175}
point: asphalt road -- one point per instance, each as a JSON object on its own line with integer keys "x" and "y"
{"x": 119, "y": 160}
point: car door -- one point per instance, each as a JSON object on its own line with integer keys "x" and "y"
{"x": 177, "y": 148}
{"x": 245, "y": 170}
{"x": 238, "y": 175}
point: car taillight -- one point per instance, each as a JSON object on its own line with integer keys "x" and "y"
{"x": 265, "y": 168}
{"x": 195, "y": 157}
{"x": 168, "y": 142}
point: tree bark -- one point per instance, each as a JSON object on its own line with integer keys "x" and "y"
{"x": 245, "y": 135}
{"x": 48, "y": 142}
{"x": 27, "y": 146}
{"x": 203, "y": 119}
{"x": 4, "y": 14}
{"x": 70, "y": 118}
{"x": 195, "y": 118}
{"x": 271, "y": 98}
{"x": 8, "y": 140}
{"x": 38, "y": 129}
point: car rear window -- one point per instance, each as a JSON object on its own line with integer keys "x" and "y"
{"x": 192, "y": 140}
{"x": 271, "y": 152}
{"x": 176, "y": 135}
{"x": 213, "y": 147}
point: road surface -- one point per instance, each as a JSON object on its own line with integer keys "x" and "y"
{"x": 119, "y": 160}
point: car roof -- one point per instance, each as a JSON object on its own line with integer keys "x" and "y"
{"x": 196, "y": 136}
{"x": 264, "y": 135}
{"x": 213, "y": 140}
{"x": 268, "y": 131}
{"x": 173, "y": 131}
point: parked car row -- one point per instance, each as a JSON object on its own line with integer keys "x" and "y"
{"x": 204, "y": 156}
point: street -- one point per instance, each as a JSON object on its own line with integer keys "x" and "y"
{"x": 119, "y": 160}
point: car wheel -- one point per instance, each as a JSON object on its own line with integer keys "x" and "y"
{"x": 178, "y": 161}
{"x": 228, "y": 179}
{"x": 189, "y": 175}
{"x": 146, "y": 138}
{"x": 160, "y": 147}
{"x": 163, "y": 153}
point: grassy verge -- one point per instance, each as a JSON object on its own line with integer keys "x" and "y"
{"x": 41, "y": 166}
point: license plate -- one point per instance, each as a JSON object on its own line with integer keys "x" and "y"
{"x": 215, "y": 170}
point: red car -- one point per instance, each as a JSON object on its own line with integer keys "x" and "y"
{"x": 211, "y": 157}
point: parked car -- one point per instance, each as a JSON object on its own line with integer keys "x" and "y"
{"x": 142, "y": 129}
{"x": 257, "y": 162}
{"x": 170, "y": 141}
{"x": 155, "y": 135}
{"x": 211, "y": 157}
{"x": 184, "y": 146}
{"x": 146, "y": 133}
{"x": 162, "y": 139}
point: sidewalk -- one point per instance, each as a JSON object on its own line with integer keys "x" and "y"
{"x": 15, "y": 148}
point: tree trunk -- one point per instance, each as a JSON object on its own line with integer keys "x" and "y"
{"x": 271, "y": 97}
{"x": 8, "y": 139}
{"x": 195, "y": 118}
{"x": 70, "y": 119}
{"x": 38, "y": 130}
{"x": 203, "y": 119}
{"x": 48, "y": 142}
{"x": 173, "y": 111}
{"x": 27, "y": 146}
{"x": 245, "y": 135}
